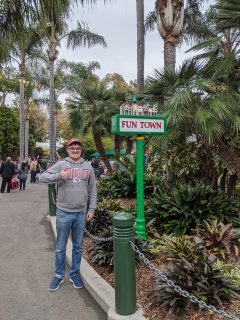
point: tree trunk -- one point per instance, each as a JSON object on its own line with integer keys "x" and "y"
{"x": 55, "y": 131}
{"x": 214, "y": 182}
{"x": 117, "y": 145}
{"x": 169, "y": 55}
{"x": 27, "y": 115}
{"x": 52, "y": 56}
{"x": 26, "y": 138}
{"x": 223, "y": 180}
{"x": 129, "y": 145}
{"x": 231, "y": 184}
{"x": 21, "y": 119}
{"x": 52, "y": 140}
{"x": 100, "y": 149}
{"x": 227, "y": 156}
{"x": 140, "y": 45}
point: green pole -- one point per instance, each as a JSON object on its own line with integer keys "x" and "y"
{"x": 140, "y": 221}
{"x": 124, "y": 264}
{"x": 52, "y": 199}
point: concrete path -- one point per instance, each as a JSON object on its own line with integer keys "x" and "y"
{"x": 27, "y": 264}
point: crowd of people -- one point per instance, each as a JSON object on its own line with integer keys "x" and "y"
{"x": 14, "y": 174}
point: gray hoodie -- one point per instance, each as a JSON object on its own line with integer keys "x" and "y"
{"x": 76, "y": 193}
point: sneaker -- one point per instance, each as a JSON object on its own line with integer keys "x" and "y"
{"x": 76, "y": 281}
{"x": 54, "y": 285}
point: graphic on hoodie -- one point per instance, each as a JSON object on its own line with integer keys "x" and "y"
{"x": 77, "y": 174}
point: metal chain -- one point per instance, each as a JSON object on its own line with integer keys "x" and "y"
{"x": 182, "y": 292}
{"x": 96, "y": 238}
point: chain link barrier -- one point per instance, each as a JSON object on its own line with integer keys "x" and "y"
{"x": 182, "y": 292}
{"x": 96, "y": 238}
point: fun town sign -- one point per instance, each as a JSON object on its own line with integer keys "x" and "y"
{"x": 138, "y": 119}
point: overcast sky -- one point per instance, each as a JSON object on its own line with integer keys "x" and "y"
{"x": 116, "y": 21}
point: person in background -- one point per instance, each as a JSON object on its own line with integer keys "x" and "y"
{"x": 22, "y": 175}
{"x": 76, "y": 203}
{"x": 16, "y": 167}
{"x": 33, "y": 170}
{"x": 101, "y": 169}
{"x": 29, "y": 162}
{"x": 7, "y": 171}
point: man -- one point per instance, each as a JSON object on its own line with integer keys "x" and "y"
{"x": 7, "y": 171}
{"x": 76, "y": 203}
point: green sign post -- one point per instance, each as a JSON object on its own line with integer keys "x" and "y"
{"x": 139, "y": 125}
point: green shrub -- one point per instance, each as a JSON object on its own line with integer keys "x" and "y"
{"x": 123, "y": 184}
{"x": 102, "y": 220}
{"x": 191, "y": 269}
{"x": 118, "y": 185}
{"x": 184, "y": 209}
{"x": 102, "y": 252}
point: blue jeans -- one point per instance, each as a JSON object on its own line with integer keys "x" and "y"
{"x": 66, "y": 222}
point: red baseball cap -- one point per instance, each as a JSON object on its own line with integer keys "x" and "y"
{"x": 73, "y": 141}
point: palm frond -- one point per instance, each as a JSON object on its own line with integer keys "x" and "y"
{"x": 82, "y": 36}
{"x": 150, "y": 21}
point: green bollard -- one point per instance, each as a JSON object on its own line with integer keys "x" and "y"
{"x": 52, "y": 199}
{"x": 124, "y": 264}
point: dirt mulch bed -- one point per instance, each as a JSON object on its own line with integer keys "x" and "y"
{"x": 145, "y": 279}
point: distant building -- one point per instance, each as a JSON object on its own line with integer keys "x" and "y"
{"x": 136, "y": 109}
{"x": 46, "y": 145}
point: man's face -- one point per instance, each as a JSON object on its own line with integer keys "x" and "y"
{"x": 74, "y": 151}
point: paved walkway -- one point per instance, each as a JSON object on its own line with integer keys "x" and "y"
{"x": 27, "y": 263}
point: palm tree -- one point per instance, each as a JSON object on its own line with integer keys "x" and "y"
{"x": 140, "y": 45}
{"x": 170, "y": 16}
{"x": 174, "y": 24}
{"x": 92, "y": 108}
{"x": 21, "y": 50}
{"x": 14, "y": 14}
{"x": 201, "y": 106}
{"x": 55, "y": 29}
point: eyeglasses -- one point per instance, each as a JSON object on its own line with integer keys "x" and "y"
{"x": 74, "y": 149}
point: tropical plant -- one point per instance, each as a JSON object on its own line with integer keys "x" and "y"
{"x": 181, "y": 210}
{"x": 104, "y": 212}
{"x": 192, "y": 271}
{"x": 118, "y": 185}
{"x": 101, "y": 253}
{"x": 229, "y": 270}
{"x": 93, "y": 107}
{"x": 176, "y": 247}
{"x": 218, "y": 237}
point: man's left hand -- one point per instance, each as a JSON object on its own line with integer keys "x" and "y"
{"x": 89, "y": 216}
